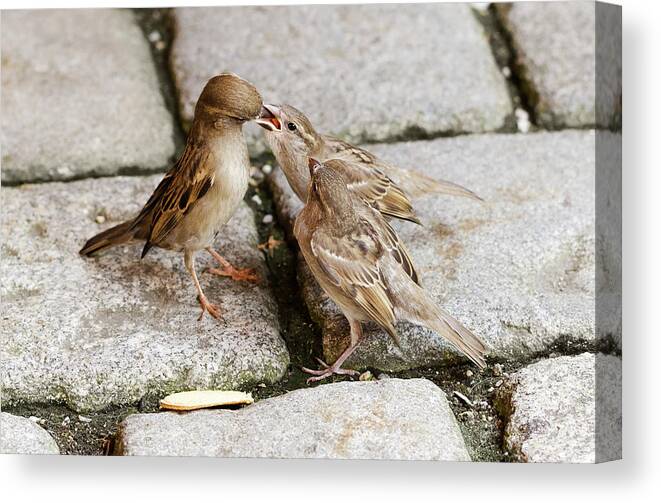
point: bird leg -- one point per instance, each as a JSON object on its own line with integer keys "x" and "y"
{"x": 336, "y": 368}
{"x": 212, "y": 309}
{"x": 227, "y": 269}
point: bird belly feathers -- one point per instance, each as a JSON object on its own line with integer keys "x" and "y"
{"x": 199, "y": 227}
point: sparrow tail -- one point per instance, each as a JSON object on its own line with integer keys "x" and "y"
{"x": 116, "y": 235}
{"x": 452, "y": 189}
{"x": 420, "y": 309}
{"x": 416, "y": 184}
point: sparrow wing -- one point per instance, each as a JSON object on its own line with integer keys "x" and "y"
{"x": 185, "y": 184}
{"x": 396, "y": 248}
{"x": 365, "y": 178}
{"x": 410, "y": 182}
{"x": 351, "y": 263}
{"x": 348, "y": 152}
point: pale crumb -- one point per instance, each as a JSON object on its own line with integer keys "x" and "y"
{"x": 266, "y": 169}
{"x": 100, "y": 219}
{"x": 481, "y": 6}
{"x": 463, "y": 398}
{"x": 366, "y": 376}
{"x": 257, "y": 174}
{"x": 522, "y": 120}
{"x": 268, "y": 219}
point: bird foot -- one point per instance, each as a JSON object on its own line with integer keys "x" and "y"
{"x": 207, "y": 306}
{"x": 236, "y": 274}
{"x": 327, "y": 371}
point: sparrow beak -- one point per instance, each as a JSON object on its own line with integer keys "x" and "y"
{"x": 313, "y": 165}
{"x": 269, "y": 118}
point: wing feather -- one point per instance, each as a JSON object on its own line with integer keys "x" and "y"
{"x": 352, "y": 263}
{"x": 181, "y": 188}
{"x": 364, "y": 177}
{"x": 406, "y": 183}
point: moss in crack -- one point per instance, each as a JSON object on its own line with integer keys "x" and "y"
{"x": 301, "y": 335}
{"x": 502, "y": 56}
{"x": 523, "y": 92}
{"x": 74, "y": 433}
{"x": 471, "y": 393}
{"x": 158, "y": 27}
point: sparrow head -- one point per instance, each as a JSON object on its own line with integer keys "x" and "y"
{"x": 290, "y": 126}
{"x": 229, "y": 95}
{"x": 328, "y": 188}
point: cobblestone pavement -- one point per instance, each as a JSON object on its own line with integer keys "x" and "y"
{"x": 501, "y": 100}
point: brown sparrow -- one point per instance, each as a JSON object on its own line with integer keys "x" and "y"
{"x": 388, "y": 188}
{"x": 362, "y": 265}
{"x": 200, "y": 193}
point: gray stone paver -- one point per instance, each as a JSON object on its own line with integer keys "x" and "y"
{"x": 19, "y": 435}
{"x": 363, "y": 71}
{"x": 553, "y": 410}
{"x": 105, "y": 331}
{"x": 80, "y": 96}
{"x": 519, "y": 270}
{"x": 558, "y": 50}
{"x": 389, "y": 419}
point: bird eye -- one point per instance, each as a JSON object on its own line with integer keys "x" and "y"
{"x": 291, "y": 126}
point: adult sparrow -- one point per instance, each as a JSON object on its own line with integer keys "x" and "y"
{"x": 200, "y": 193}
{"x": 293, "y": 140}
{"x": 362, "y": 265}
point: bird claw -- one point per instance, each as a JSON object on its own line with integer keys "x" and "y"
{"x": 236, "y": 274}
{"x": 207, "y": 306}
{"x": 327, "y": 371}
{"x": 322, "y": 363}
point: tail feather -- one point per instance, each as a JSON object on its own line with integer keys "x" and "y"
{"x": 452, "y": 189}
{"x": 116, "y": 235}
{"x": 420, "y": 309}
{"x": 462, "y": 338}
{"x": 416, "y": 184}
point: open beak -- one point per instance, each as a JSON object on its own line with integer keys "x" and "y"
{"x": 313, "y": 165}
{"x": 269, "y": 118}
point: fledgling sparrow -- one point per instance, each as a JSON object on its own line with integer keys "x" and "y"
{"x": 293, "y": 140}
{"x": 200, "y": 193}
{"x": 362, "y": 265}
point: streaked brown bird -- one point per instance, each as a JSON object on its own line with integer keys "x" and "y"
{"x": 200, "y": 193}
{"x": 362, "y": 265}
{"x": 293, "y": 140}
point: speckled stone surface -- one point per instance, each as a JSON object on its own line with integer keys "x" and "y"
{"x": 518, "y": 270}
{"x": 19, "y": 435}
{"x": 553, "y": 410}
{"x": 389, "y": 419}
{"x": 80, "y": 96}
{"x": 562, "y": 55}
{"x": 361, "y": 71}
{"x": 105, "y": 331}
